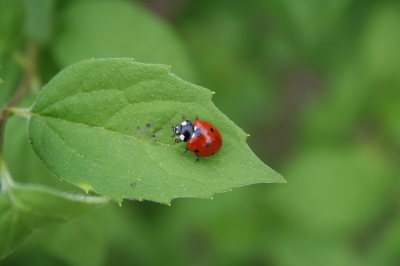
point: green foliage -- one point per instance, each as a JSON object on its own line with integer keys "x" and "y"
{"x": 39, "y": 21}
{"x": 25, "y": 208}
{"x": 93, "y": 30}
{"x": 10, "y": 24}
{"x": 316, "y": 84}
{"x": 105, "y": 125}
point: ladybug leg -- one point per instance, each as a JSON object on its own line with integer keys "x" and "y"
{"x": 197, "y": 117}
{"x": 185, "y": 150}
{"x": 173, "y": 130}
{"x": 197, "y": 159}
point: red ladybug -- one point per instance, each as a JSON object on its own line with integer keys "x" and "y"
{"x": 203, "y": 139}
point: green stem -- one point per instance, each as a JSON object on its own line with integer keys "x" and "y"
{"x": 20, "y": 111}
{"x": 30, "y": 68}
{"x": 23, "y": 86}
{"x": 22, "y": 89}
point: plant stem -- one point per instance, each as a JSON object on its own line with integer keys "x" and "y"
{"x": 23, "y": 86}
{"x": 30, "y": 68}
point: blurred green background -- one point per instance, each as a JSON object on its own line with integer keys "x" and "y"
{"x": 315, "y": 83}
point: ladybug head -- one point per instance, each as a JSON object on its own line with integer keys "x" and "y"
{"x": 183, "y": 132}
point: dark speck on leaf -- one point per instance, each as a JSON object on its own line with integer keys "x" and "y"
{"x": 133, "y": 185}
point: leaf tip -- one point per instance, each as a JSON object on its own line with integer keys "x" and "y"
{"x": 85, "y": 187}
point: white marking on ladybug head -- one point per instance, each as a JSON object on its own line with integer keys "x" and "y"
{"x": 182, "y": 137}
{"x": 184, "y": 123}
{"x": 195, "y": 128}
{"x": 193, "y": 135}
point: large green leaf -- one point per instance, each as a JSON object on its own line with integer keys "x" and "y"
{"x": 25, "y": 208}
{"x": 105, "y": 125}
{"x": 109, "y": 29}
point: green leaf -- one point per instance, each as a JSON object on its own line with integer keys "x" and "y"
{"x": 105, "y": 125}
{"x": 11, "y": 20}
{"x": 110, "y": 29}
{"x": 38, "y": 19}
{"x": 17, "y": 149}
{"x": 25, "y": 208}
{"x": 361, "y": 175}
{"x": 10, "y": 73}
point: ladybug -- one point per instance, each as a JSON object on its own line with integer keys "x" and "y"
{"x": 203, "y": 139}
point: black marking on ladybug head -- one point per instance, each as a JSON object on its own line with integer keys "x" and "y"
{"x": 208, "y": 143}
{"x": 184, "y": 131}
{"x": 211, "y": 129}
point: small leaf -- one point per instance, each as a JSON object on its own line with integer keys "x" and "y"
{"x": 105, "y": 125}
{"x": 25, "y": 208}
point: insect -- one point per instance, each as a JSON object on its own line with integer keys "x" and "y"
{"x": 203, "y": 139}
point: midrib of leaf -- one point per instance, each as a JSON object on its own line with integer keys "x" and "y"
{"x": 104, "y": 128}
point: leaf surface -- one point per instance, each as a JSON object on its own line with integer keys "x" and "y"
{"x": 25, "y": 208}
{"x": 105, "y": 125}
